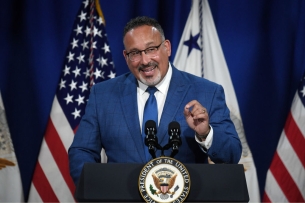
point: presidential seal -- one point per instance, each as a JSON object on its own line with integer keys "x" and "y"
{"x": 164, "y": 179}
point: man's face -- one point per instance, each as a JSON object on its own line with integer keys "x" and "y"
{"x": 150, "y": 70}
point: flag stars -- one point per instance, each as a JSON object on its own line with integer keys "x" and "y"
{"x": 86, "y": 3}
{"x": 111, "y": 75}
{"x": 85, "y": 45}
{"x": 102, "y": 61}
{"x": 98, "y": 73}
{"x": 62, "y": 84}
{"x": 76, "y": 113}
{"x": 87, "y": 63}
{"x": 81, "y": 58}
{"x": 100, "y": 20}
{"x": 70, "y": 57}
{"x": 74, "y": 43}
{"x": 69, "y": 98}
{"x": 78, "y": 30}
{"x": 96, "y": 32}
{"x": 84, "y": 86}
{"x": 76, "y": 72}
{"x": 94, "y": 45}
{"x": 80, "y": 100}
{"x": 82, "y": 16}
{"x": 73, "y": 85}
{"x": 66, "y": 70}
{"x": 106, "y": 48}
{"x": 88, "y": 31}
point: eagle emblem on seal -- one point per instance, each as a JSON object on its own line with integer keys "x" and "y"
{"x": 164, "y": 179}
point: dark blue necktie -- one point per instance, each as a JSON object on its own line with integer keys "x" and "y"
{"x": 150, "y": 113}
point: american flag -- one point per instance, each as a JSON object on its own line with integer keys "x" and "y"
{"x": 285, "y": 180}
{"x": 88, "y": 61}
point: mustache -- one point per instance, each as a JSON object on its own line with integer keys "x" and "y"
{"x": 141, "y": 67}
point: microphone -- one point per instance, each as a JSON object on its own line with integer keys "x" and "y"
{"x": 151, "y": 140}
{"x": 174, "y": 137}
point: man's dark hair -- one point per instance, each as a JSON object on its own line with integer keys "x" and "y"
{"x": 140, "y": 21}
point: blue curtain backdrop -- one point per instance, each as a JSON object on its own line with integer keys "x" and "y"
{"x": 263, "y": 42}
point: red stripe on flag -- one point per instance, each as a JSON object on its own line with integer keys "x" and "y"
{"x": 284, "y": 180}
{"x": 295, "y": 138}
{"x": 43, "y": 186}
{"x": 266, "y": 198}
{"x": 59, "y": 154}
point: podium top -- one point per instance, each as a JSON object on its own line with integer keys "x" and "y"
{"x": 118, "y": 182}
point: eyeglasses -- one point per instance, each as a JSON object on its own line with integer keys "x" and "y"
{"x": 150, "y": 51}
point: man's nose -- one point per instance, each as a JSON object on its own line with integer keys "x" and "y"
{"x": 144, "y": 58}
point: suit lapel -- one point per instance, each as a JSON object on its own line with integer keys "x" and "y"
{"x": 176, "y": 92}
{"x": 129, "y": 103}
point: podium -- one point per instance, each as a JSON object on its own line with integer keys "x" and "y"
{"x": 117, "y": 182}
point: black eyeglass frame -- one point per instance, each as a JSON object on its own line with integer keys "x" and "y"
{"x": 145, "y": 50}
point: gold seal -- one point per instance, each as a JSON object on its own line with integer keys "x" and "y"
{"x": 164, "y": 179}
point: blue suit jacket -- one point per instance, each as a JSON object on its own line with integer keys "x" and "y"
{"x": 111, "y": 122}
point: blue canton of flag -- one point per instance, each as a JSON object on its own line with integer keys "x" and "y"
{"x": 88, "y": 61}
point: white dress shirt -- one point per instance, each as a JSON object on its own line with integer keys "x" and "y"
{"x": 160, "y": 95}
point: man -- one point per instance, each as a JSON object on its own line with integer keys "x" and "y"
{"x": 115, "y": 110}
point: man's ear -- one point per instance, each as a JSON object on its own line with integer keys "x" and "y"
{"x": 125, "y": 55}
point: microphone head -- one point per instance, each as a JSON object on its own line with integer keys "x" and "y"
{"x": 174, "y": 126}
{"x": 151, "y": 125}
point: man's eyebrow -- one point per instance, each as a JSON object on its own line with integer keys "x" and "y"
{"x": 148, "y": 45}
{"x": 134, "y": 49}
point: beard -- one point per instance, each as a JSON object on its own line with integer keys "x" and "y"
{"x": 150, "y": 80}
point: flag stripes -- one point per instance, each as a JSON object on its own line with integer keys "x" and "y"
{"x": 62, "y": 126}
{"x": 59, "y": 154}
{"x": 42, "y": 186}
{"x": 291, "y": 162}
{"x": 54, "y": 148}
{"x": 88, "y": 61}
{"x": 285, "y": 180}
{"x": 54, "y": 176}
{"x": 296, "y": 138}
{"x": 273, "y": 190}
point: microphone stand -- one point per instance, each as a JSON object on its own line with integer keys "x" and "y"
{"x": 151, "y": 140}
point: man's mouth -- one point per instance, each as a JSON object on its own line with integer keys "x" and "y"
{"x": 148, "y": 69}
